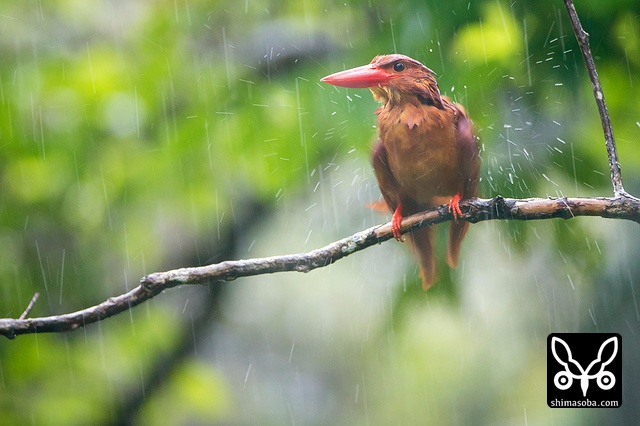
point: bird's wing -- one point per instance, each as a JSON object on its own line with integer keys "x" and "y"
{"x": 469, "y": 163}
{"x": 388, "y": 184}
{"x": 469, "y": 155}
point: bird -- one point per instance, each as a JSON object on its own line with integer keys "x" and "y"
{"x": 426, "y": 152}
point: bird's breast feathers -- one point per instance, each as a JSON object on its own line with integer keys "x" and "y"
{"x": 422, "y": 156}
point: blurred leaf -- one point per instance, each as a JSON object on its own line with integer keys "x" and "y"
{"x": 496, "y": 37}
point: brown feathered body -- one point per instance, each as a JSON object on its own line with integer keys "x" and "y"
{"x": 426, "y": 154}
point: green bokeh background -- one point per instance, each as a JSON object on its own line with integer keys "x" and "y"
{"x": 142, "y": 136}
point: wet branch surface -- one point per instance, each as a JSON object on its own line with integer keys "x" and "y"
{"x": 476, "y": 210}
{"x": 621, "y": 206}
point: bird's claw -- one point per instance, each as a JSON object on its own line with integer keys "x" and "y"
{"x": 454, "y": 206}
{"x": 396, "y": 220}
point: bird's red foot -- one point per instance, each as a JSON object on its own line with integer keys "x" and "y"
{"x": 396, "y": 219}
{"x": 454, "y": 206}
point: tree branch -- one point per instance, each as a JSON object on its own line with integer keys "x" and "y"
{"x": 583, "y": 41}
{"x": 475, "y": 210}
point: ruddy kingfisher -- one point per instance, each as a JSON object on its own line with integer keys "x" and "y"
{"x": 426, "y": 153}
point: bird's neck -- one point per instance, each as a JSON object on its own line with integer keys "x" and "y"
{"x": 412, "y": 104}
{"x": 413, "y": 110}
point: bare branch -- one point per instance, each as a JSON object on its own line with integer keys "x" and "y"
{"x": 34, "y": 299}
{"x": 475, "y": 210}
{"x": 583, "y": 40}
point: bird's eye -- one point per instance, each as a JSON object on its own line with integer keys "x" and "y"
{"x": 398, "y": 66}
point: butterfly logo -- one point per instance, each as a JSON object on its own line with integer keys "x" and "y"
{"x": 574, "y": 371}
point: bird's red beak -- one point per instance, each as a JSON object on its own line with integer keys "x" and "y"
{"x": 359, "y": 78}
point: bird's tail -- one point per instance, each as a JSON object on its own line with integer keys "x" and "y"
{"x": 420, "y": 240}
{"x": 457, "y": 230}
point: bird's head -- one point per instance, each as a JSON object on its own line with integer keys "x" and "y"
{"x": 393, "y": 79}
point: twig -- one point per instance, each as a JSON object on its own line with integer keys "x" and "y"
{"x": 474, "y": 211}
{"x": 34, "y": 299}
{"x": 583, "y": 41}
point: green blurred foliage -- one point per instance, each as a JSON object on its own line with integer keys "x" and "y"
{"x": 131, "y": 133}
